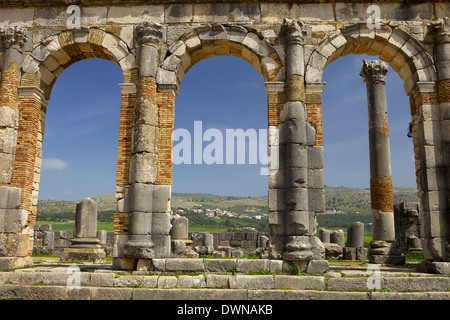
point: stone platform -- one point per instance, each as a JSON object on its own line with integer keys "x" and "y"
{"x": 50, "y": 279}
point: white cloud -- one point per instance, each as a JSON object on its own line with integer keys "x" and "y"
{"x": 54, "y": 164}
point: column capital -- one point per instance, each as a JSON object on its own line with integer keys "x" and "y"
{"x": 374, "y": 71}
{"x": 11, "y": 36}
{"x": 439, "y": 31}
{"x": 149, "y": 32}
{"x": 296, "y": 31}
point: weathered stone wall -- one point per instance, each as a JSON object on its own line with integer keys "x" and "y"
{"x": 156, "y": 44}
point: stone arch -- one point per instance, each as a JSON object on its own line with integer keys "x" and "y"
{"x": 216, "y": 40}
{"x": 39, "y": 72}
{"x": 405, "y": 54}
{"x": 56, "y": 53}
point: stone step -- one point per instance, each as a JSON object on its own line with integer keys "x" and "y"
{"x": 93, "y": 285}
{"x": 25, "y": 292}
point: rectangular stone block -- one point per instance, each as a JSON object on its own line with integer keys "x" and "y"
{"x": 6, "y": 167}
{"x": 277, "y": 199}
{"x": 161, "y": 223}
{"x": 192, "y": 265}
{"x": 245, "y": 12}
{"x": 219, "y": 265}
{"x": 149, "y": 198}
{"x": 254, "y": 282}
{"x": 192, "y": 281}
{"x": 176, "y": 13}
{"x": 211, "y": 12}
{"x": 255, "y": 265}
{"x": 220, "y": 281}
{"x": 14, "y": 220}
{"x": 162, "y": 246}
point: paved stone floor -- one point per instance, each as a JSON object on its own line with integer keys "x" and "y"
{"x": 50, "y": 279}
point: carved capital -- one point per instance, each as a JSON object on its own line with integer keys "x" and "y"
{"x": 374, "y": 71}
{"x": 11, "y": 36}
{"x": 296, "y": 31}
{"x": 149, "y": 32}
{"x": 439, "y": 31}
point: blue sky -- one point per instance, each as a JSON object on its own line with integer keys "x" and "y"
{"x": 81, "y": 133}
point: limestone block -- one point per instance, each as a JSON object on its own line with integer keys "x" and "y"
{"x": 40, "y": 53}
{"x": 14, "y": 220}
{"x": 397, "y": 11}
{"x": 277, "y": 199}
{"x": 316, "y": 12}
{"x": 140, "y": 223}
{"x": 166, "y": 77}
{"x": 351, "y": 11}
{"x": 146, "y": 112}
{"x": 128, "y": 63}
{"x": 16, "y": 244}
{"x": 145, "y": 139}
{"x": 213, "y": 12}
{"x": 316, "y": 178}
{"x": 150, "y": 198}
{"x": 192, "y": 281}
{"x": 332, "y": 250}
{"x": 315, "y": 157}
{"x": 293, "y": 110}
{"x": 434, "y": 249}
{"x": 297, "y": 157}
{"x": 176, "y": 13}
{"x": 6, "y": 167}
{"x": 8, "y": 140}
{"x": 277, "y": 222}
{"x": 244, "y": 12}
{"x": 135, "y": 14}
{"x": 10, "y": 197}
{"x": 143, "y": 168}
{"x": 297, "y": 199}
{"x": 317, "y": 266}
{"x": 161, "y": 223}
{"x": 276, "y": 12}
{"x": 434, "y": 224}
{"x": 316, "y": 200}
{"x": 17, "y": 17}
{"x": 9, "y": 117}
{"x": 192, "y": 41}
{"x": 237, "y": 34}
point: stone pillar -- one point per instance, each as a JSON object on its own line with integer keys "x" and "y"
{"x": 354, "y": 249}
{"x": 149, "y": 203}
{"x": 434, "y": 135}
{"x": 85, "y": 245}
{"x": 298, "y": 138}
{"x": 383, "y": 248}
{"x": 15, "y": 237}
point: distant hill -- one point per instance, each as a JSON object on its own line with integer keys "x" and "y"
{"x": 347, "y": 200}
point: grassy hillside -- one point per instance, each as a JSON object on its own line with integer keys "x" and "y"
{"x": 354, "y": 204}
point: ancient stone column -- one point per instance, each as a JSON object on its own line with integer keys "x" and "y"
{"x": 382, "y": 248}
{"x": 85, "y": 245}
{"x": 12, "y": 40}
{"x": 433, "y": 135}
{"x": 149, "y": 204}
{"x": 299, "y": 136}
{"x": 14, "y": 235}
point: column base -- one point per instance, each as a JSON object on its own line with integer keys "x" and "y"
{"x": 298, "y": 248}
{"x": 84, "y": 254}
{"x": 139, "y": 249}
{"x": 385, "y": 252}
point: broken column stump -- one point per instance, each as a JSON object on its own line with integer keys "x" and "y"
{"x": 85, "y": 245}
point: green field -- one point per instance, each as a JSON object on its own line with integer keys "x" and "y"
{"x": 70, "y": 226}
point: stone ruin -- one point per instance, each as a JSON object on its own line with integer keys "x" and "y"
{"x": 336, "y": 248}
{"x": 290, "y": 44}
{"x": 408, "y": 226}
